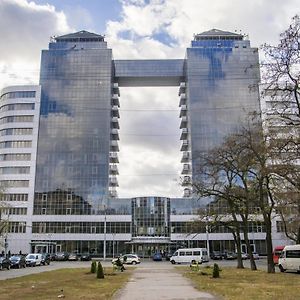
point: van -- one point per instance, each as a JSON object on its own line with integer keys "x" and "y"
{"x": 188, "y": 255}
{"x": 276, "y": 253}
{"x": 290, "y": 259}
{"x": 33, "y": 259}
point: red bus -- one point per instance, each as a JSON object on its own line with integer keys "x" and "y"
{"x": 276, "y": 253}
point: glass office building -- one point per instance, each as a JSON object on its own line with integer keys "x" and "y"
{"x": 73, "y": 203}
{"x": 75, "y": 132}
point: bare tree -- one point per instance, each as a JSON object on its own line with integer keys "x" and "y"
{"x": 281, "y": 79}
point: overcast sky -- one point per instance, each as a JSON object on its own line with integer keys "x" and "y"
{"x": 150, "y": 156}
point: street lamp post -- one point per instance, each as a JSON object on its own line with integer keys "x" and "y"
{"x": 207, "y": 240}
{"x": 104, "y": 239}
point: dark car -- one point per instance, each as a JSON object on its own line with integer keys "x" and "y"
{"x": 4, "y": 263}
{"x": 45, "y": 259}
{"x": 52, "y": 256}
{"x": 85, "y": 256}
{"x": 230, "y": 255}
{"x": 17, "y": 261}
{"x": 157, "y": 256}
{"x": 216, "y": 255}
{"x": 62, "y": 256}
{"x": 168, "y": 255}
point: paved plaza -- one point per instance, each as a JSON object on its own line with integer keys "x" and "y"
{"x": 159, "y": 281}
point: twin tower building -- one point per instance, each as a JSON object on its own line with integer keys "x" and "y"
{"x": 59, "y": 144}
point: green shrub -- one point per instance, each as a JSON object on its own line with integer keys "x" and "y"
{"x": 93, "y": 267}
{"x": 100, "y": 272}
{"x": 216, "y": 271}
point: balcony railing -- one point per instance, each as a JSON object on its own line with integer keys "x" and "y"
{"x": 184, "y": 146}
{"x": 186, "y": 169}
{"x": 184, "y": 122}
{"x": 183, "y": 111}
{"x": 114, "y": 146}
{"x": 113, "y": 157}
{"x": 113, "y": 170}
{"x": 185, "y": 157}
{"x": 184, "y": 134}
{"x": 115, "y": 134}
{"x": 115, "y": 100}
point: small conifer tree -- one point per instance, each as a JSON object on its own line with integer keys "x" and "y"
{"x": 100, "y": 272}
{"x": 93, "y": 267}
{"x": 216, "y": 271}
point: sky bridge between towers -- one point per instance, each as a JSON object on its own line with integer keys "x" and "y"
{"x": 161, "y": 72}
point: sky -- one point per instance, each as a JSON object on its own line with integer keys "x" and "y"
{"x": 136, "y": 29}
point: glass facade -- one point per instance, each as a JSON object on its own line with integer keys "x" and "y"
{"x": 150, "y": 216}
{"x": 74, "y": 129}
{"x": 222, "y": 78}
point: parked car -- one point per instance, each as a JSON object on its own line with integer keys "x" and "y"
{"x": 33, "y": 259}
{"x": 85, "y": 256}
{"x": 17, "y": 261}
{"x": 62, "y": 256}
{"x": 4, "y": 263}
{"x": 45, "y": 259}
{"x": 255, "y": 255}
{"x": 73, "y": 256}
{"x": 276, "y": 253}
{"x": 168, "y": 255}
{"x": 230, "y": 255}
{"x": 131, "y": 259}
{"x": 52, "y": 256}
{"x": 157, "y": 256}
{"x": 216, "y": 255}
{"x": 244, "y": 255}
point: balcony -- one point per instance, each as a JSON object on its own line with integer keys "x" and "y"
{"x": 184, "y": 122}
{"x": 184, "y": 146}
{"x": 113, "y": 181}
{"x": 113, "y": 170}
{"x": 186, "y": 181}
{"x": 115, "y": 87}
{"x": 114, "y": 146}
{"x": 115, "y": 111}
{"x": 186, "y": 169}
{"x": 182, "y": 100}
{"x": 183, "y": 111}
{"x": 115, "y": 123}
{"x": 182, "y": 87}
{"x": 113, "y": 158}
{"x": 184, "y": 134}
{"x": 115, "y": 100}
{"x": 185, "y": 157}
{"x": 187, "y": 193}
{"x": 114, "y": 135}
{"x": 113, "y": 193}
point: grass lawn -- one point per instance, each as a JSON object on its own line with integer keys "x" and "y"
{"x": 237, "y": 284}
{"x": 76, "y": 284}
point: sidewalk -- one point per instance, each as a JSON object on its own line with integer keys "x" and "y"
{"x": 152, "y": 281}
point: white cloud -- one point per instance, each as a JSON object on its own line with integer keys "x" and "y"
{"x": 25, "y": 29}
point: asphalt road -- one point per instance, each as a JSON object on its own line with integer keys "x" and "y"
{"x": 13, "y": 273}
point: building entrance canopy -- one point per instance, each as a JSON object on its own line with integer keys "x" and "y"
{"x": 150, "y": 240}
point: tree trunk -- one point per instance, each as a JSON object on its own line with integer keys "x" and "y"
{"x": 238, "y": 243}
{"x": 252, "y": 261}
{"x": 268, "y": 224}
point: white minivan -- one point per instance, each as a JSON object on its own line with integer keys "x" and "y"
{"x": 290, "y": 258}
{"x": 33, "y": 259}
{"x": 188, "y": 255}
